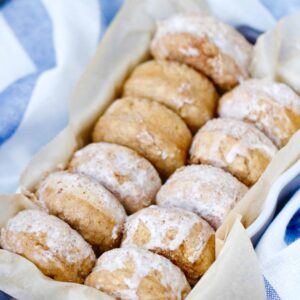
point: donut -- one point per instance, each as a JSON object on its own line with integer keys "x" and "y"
{"x": 207, "y": 191}
{"x": 272, "y": 107}
{"x": 136, "y": 274}
{"x": 149, "y": 128}
{"x": 236, "y": 146}
{"x": 126, "y": 174}
{"x": 85, "y": 205}
{"x": 51, "y": 244}
{"x": 206, "y": 44}
{"x": 179, "y": 235}
{"x": 187, "y": 92}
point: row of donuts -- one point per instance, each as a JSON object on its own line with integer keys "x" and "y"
{"x": 158, "y": 97}
{"x": 256, "y": 118}
{"x": 86, "y": 205}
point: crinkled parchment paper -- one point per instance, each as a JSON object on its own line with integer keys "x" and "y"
{"x": 235, "y": 274}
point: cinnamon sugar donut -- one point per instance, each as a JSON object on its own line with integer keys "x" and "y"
{"x": 129, "y": 176}
{"x": 179, "y": 235}
{"x": 85, "y": 205}
{"x": 188, "y": 93}
{"x": 205, "y": 190}
{"x": 205, "y": 43}
{"x": 149, "y": 128}
{"x": 235, "y": 146}
{"x": 136, "y": 274}
{"x": 51, "y": 244}
{"x": 272, "y": 107}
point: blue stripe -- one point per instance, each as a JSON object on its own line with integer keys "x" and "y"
{"x": 3, "y": 2}
{"x": 4, "y": 296}
{"x": 280, "y": 8}
{"x": 109, "y": 9}
{"x": 270, "y": 291}
{"x": 250, "y": 33}
{"x": 13, "y": 103}
{"x": 32, "y": 26}
{"x": 292, "y": 231}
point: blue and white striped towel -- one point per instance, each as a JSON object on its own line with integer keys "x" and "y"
{"x": 279, "y": 248}
{"x": 44, "y": 47}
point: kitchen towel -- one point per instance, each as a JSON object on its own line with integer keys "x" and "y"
{"x": 279, "y": 248}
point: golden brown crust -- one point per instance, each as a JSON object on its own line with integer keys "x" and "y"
{"x": 179, "y": 235}
{"x": 188, "y": 93}
{"x": 86, "y": 205}
{"x": 136, "y": 274}
{"x": 127, "y": 175}
{"x": 56, "y": 249}
{"x": 149, "y": 128}
{"x": 208, "y": 191}
{"x": 272, "y": 107}
{"x": 206, "y": 44}
{"x": 235, "y": 146}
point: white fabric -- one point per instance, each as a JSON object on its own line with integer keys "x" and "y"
{"x": 250, "y": 12}
{"x": 281, "y": 263}
{"x": 76, "y": 31}
{"x": 9, "y": 50}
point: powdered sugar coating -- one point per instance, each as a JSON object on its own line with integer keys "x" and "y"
{"x": 145, "y": 263}
{"x": 147, "y": 138}
{"x": 127, "y": 117}
{"x": 85, "y": 189}
{"x": 60, "y": 239}
{"x": 130, "y": 177}
{"x": 263, "y": 101}
{"x": 205, "y": 190}
{"x": 160, "y": 222}
{"x": 180, "y": 88}
{"x": 246, "y": 135}
{"x": 254, "y": 89}
{"x": 226, "y": 38}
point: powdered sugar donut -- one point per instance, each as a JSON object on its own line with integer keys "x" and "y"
{"x": 56, "y": 249}
{"x": 205, "y": 43}
{"x": 235, "y": 146}
{"x": 187, "y": 92}
{"x": 205, "y": 190}
{"x": 149, "y": 128}
{"x": 85, "y": 205}
{"x": 179, "y": 235}
{"x": 272, "y": 107}
{"x": 129, "y": 176}
{"x": 135, "y": 274}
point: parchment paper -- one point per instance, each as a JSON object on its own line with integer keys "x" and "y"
{"x": 277, "y": 53}
{"x": 235, "y": 273}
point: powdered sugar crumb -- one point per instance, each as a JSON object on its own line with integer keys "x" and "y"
{"x": 184, "y": 87}
{"x": 190, "y": 51}
{"x": 147, "y": 138}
